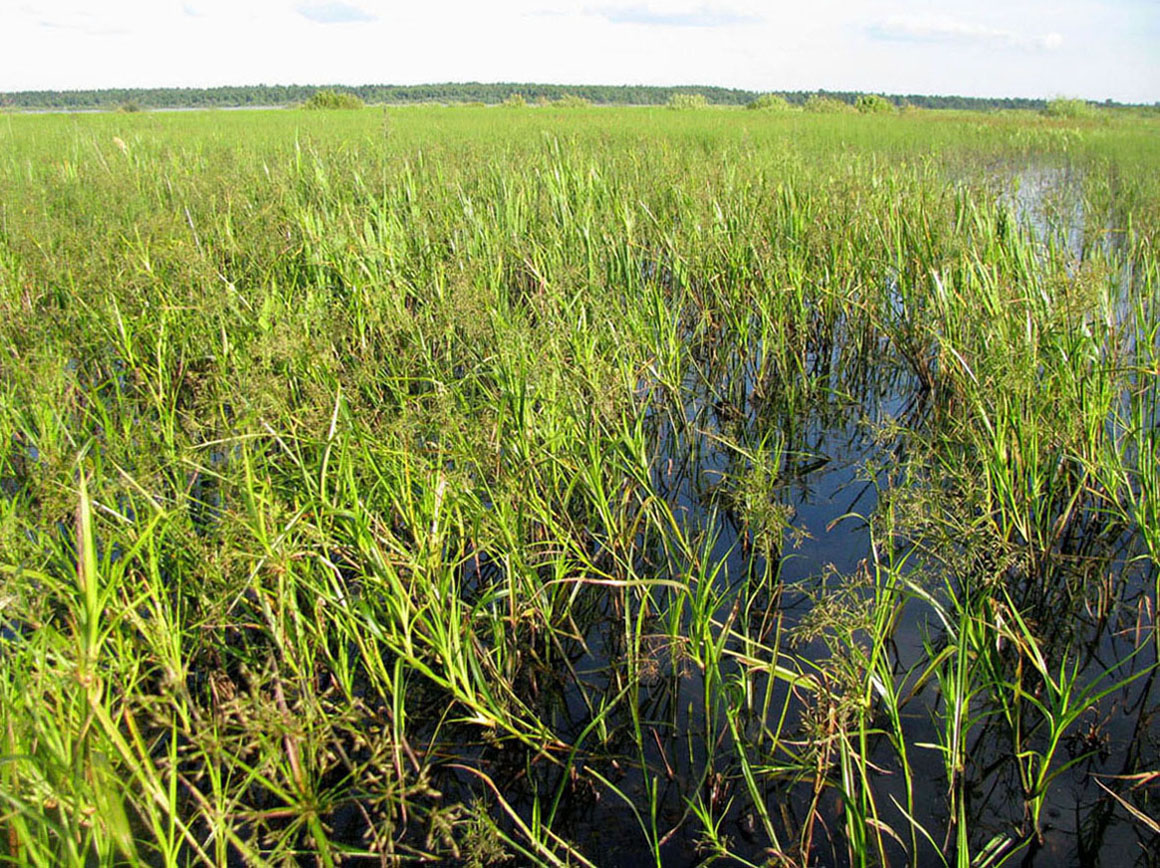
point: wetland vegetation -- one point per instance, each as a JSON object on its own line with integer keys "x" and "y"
{"x": 579, "y": 487}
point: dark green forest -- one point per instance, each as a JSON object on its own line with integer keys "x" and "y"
{"x": 279, "y": 95}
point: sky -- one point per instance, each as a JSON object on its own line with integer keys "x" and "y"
{"x": 1095, "y": 49}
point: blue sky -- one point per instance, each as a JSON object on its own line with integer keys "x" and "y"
{"x": 1037, "y": 48}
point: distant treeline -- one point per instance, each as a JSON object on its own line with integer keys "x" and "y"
{"x": 277, "y": 95}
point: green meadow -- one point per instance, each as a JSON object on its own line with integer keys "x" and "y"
{"x": 579, "y": 486}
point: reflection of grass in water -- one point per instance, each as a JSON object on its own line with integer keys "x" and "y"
{"x": 437, "y": 495}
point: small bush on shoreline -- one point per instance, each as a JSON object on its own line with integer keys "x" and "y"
{"x": 1067, "y": 107}
{"x": 682, "y": 101}
{"x": 331, "y": 99}
{"x": 770, "y": 102}
{"x": 873, "y": 104}
{"x": 818, "y": 104}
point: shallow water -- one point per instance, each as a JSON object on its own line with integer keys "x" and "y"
{"x": 824, "y": 429}
{"x": 828, "y": 489}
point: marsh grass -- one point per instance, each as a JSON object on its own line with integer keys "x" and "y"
{"x": 596, "y": 487}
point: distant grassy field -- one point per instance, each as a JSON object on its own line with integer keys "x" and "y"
{"x": 579, "y": 486}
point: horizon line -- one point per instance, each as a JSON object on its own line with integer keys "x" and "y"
{"x": 691, "y": 86}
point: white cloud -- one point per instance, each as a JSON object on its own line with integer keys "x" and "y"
{"x": 700, "y": 16}
{"x": 941, "y": 29}
{"x": 334, "y": 13}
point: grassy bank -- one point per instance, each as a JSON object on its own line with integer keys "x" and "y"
{"x": 578, "y": 486}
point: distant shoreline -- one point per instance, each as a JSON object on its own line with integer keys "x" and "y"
{"x": 276, "y": 96}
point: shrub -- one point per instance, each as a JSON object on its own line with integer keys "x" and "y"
{"x": 769, "y": 102}
{"x": 515, "y": 100}
{"x": 331, "y": 99}
{"x": 570, "y": 100}
{"x": 130, "y": 106}
{"x": 1064, "y": 107}
{"x": 826, "y": 105}
{"x": 873, "y": 104}
{"x": 687, "y": 101}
